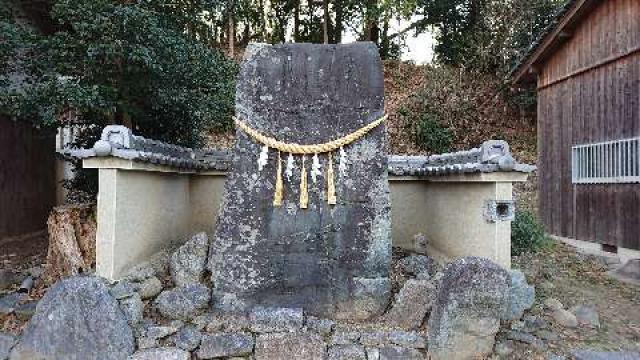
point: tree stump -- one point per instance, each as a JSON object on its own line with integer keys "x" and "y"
{"x": 72, "y": 241}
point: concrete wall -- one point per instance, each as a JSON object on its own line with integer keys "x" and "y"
{"x": 143, "y": 208}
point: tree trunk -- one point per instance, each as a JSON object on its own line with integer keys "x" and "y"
{"x": 325, "y": 22}
{"x": 232, "y": 32}
{"x": 72, "y": 241}
{"x": 296, "y": 22}
{"x": 337, "y": 29}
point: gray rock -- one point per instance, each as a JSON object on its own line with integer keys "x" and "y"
{"x": 547, "y": 335}
{"x": 188, "y": 338}
{"x": 564, "y": 318}
{"x": 182, "y": 303}
{"x": 225, "y": 345}
{"x": 399, "y": 353}
{"x": 526, "y": 338}
{"x": 321, "y": 326}
{"x": 9, "y": 278}
{"x": 466, "y": 313}
{"x": 276, "y": 319}
{"x": 605, "y": 355}
{"x": 533, "y": 323}
{"x": 157, "y": 265}
{"x": 418, "y": 264}
{"x": 160, "y": 332}
{"x": 410, "y": 339}
{"x": 586, "y": 315}
{"x": 553, "y": 304}
{"x": 188, "y": 262}
{"x": 504, "y": 348}
{"x": 521, "y": 296}
{"x": 286, "y": 346}
{"x": 374, "y": 338}
{"x": 76, "y": 319}
{"x": 342, "y": 337}
{"x": 123, "y": 289}
{"x": 8, "y": 303}
{"x": 347, "y": 352}
{"x": 411, "y": 304}
{"x": 317, "y": 258}
{"x": 26, "y": 311}
{"x": 133, "y": 308}
{"x": 556, "y": 357}
{"x": 6, "y": 344}
{"x": 147, "y": 343}
{"x": 165, "y": 353}
{"x": 150, "y": 288}
{"x": 629, "y": 272}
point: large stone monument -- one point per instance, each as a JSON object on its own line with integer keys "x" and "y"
{"x": 330, "y": 259}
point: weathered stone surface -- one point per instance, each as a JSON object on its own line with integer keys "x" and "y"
{"x": 398, "y": 353}
{"x": 76, "y": 319}
{"x": 418, "y": 264}
{"x": 9, "y": 278}
{"x": 345, "y": 337}
{"x": 150, "y": 288}
{"x": 26, "y": 311}
{"x": 182, "y": 303}
{"x": 276, "y": 319}
{"x": 157, "y": 265}
{"x": 165, "y": 353}
{"x": 504, "y": 348}
{"x": 133, "y": 308}
{"x": 160, "y": 332}
{"x": 309, "y": 258}
{"x": 321, "y": 326}
{"x": 605, "y": 355}
{"x": 466, "y": 314}
{"x": 521, "y": 296}
{"x": 409, "y": 339}
{"x": 526, "y": 338}
{"x": 553, "y": 304}
{"x": 629, "y": 272}
{"x": 225, "y": 345}
{"x": 188, "y": 338}
{"x": 412, "y": 304}
{"x": 347, "y": 352}
{"x": 8, "y": 303}
{"x": 286, "y": 346}
{"x": 123, "y": 289}
{"x": 373, "y": 338}
{"x": 6, "y": 344}
{"x": 188, "y": 262}
{"x": 565, "y": 318}
{"x": 586, "y": 315}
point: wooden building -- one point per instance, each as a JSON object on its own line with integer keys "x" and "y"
{"x": 587, "y": 69}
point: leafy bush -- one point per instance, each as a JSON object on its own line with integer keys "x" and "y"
{"x": 430, "y": 135}
{"x": 527, "y": 234}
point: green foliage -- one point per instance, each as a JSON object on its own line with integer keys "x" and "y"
{"x": 527, "y": 234}
{"x": 431, "y": 136}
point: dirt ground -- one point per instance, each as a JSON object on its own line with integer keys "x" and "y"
{"x": 578, "y": 279}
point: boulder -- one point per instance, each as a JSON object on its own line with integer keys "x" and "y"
{"x": 188, "y": 262}
{"x": 225, "y": 345}
{"x": 183, "y": 303}
{"x": 411, "y": 304}
{"x": 150, "y": 288}
{"x": 165, "y": 353}
{"x": 188, "y": 338}
{"x": 9, "y": 278}
{"x": 415, "y": 265}
{"x": 6, "y": 344}
{"x": 123, "y": 289}
{"x": 321, "y": 326}
{"x": 526, "y": 338}
{"x": 276, "y": 319}
{"x": 76, "y": 319}
{"x": 410, "y": 339}
{"x": 133, "y": 308}
{"x": 504, "y": 348}
{"x": 521, "y": 296}
{"x": 586, "y": 315}
{"x": 9, "y": 302}
{"x": 394, "y": 353}
{"x": 466, "y": 313}
{"x": 347, "y": 352}
{"x": 286, "y": 346}
{"x": 160, "y": 332}
{"x": 565, "y": 318}
{"x": 25, "y": 311}
{"x": 553, "y": 304}
{"x": 605, "y": 355}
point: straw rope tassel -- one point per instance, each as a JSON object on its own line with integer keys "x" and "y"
{"x": 304, "y": 196}
{"x": 331, "y": 185}
{"x": 277, "y": 196}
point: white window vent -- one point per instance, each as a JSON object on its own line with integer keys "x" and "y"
{"x": 615, "y": 161}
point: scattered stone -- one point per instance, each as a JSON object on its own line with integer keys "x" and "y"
{"x": 409, "y": 339}
{"x": 8, "y": 303}
{"x": 629, "y": 272}
{"x": 564, "y": 318}
{"x": 417, "y": 264}
{"x": 521, "y": 296}
{"x": 466, "y": 313}
{"x": 6, "y": 344}
{"x": 157, "y": 265}
{"x": 347, "y": 352}
{"x": 526, "y": 338}
{"x": 533, "y": 323}
{"x": 188, "y": 262}
{"x": 504, "y": 348}
{"x": 286, "y": 346}
{"x": 370, "y": 298}
{"x": 160, "y": 332}
{"x": 399, "y": 353}
{"x": 604, "y": 355}
{"x": 25, "y": 311}
{"x": 265, "y": 320}
{"x": 9, "y": 278}
{"x": 147, "y": 343}
{"x": 165, "y": 353}
{"x": 321, "y": 326}
{"x": 36, "y": 271}
{"x": 76, "y": 319}
{"x": 200, "y": 322}
{"x": 133, "y": 308}
{"x": 553, "y": 304}
{"x": 586, "y": 315}
{"x": 150, "y": 288}
{"x": 183, "y": 303}
{"x": 225, "y": 345}
{"x": 412, "y": 304}
{"x": 188, "y": 338}
{"x": 547, "y": 335}
{"x": 343, "y": 337}
{"x": 123, "y": 289}
{"x": 374, "y": 338}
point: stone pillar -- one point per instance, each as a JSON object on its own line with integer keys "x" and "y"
{"x": 331, "y": 260}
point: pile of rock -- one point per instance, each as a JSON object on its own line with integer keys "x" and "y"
{"x": 162, "y": 310}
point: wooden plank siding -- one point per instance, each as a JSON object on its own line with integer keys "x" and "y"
{"x": 27, "y": 178}
{"x": 589, "y": 91}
